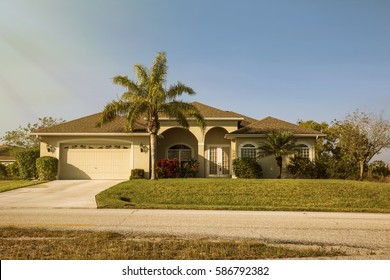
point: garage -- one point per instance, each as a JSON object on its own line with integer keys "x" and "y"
{"x": 95, "y": 161}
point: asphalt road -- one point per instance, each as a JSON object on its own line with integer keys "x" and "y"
{"x": 337, "y": 229}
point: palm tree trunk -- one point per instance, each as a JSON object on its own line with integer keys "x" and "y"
{"x": 279, "y": 161}
{"x": 153, "y": 155}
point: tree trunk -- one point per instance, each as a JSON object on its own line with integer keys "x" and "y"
{"x": 279, "y": 161}
{"x": 153, "y": 155}
{"x": 362, "y": 165}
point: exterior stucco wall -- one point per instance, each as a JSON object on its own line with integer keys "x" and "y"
{"x": 140, "y": 156}
{"x": 177, "y": 136}
{"x": 268, "y": 163}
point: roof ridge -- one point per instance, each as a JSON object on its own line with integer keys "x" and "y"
{"x": 269, "y": 124}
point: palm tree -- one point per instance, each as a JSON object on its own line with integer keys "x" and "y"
{"x": 279, "y": 144}
{"x": 149, "y": 98}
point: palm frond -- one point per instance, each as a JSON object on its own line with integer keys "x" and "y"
{"x": 121, "y": 81}
{"x": 111, "y": 111}
{"x": 181, "y": 111}
{"x": 159, "y": 69}
{"x": 178, "y": 89}
{"x": 142, "y": 74}
{"x": 134, "y": 114}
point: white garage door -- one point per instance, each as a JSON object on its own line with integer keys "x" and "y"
{"x": 95, "y": 162}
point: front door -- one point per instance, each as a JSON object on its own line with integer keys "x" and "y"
{"x": 219, "y": 161}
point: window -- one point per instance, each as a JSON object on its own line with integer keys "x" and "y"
{"x": 182, "y": 152}
{"x": 302, "y": 151}
{"x": 248, "y": 151}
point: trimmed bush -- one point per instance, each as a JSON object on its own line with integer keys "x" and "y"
{"x": 247, "y": 168}
{"x": 137, "y": 174}
{"x": 26, "y": 160}
{"x": 3, "y": 171}
{"x": 168, "y": 168}
{"x": 47, "y": 168}
{"x": 13, "y": 171}
{"x": 189, "y": 169}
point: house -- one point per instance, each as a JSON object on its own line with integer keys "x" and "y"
{"x": 6, "y": 156}
{"x": 110, "y": 152}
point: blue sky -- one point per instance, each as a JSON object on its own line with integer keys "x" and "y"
{"x": 290, "y": 59}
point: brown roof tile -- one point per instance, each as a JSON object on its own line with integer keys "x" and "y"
{"x": 211, "y": 112}
{"x": 88, "y": 125}
{"x": 269, "y": 124}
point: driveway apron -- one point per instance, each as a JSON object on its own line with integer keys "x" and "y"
{"x": 57, "y": 194}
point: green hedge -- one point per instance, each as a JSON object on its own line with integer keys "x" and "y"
{"x": 13, "y": 171}
{"x": 26, "y": 162}
{"x": 47, "y": 168}
{"x": 247, "y": 168}
{"x": 137, "y": 174}
{"x": 3, "y": 171}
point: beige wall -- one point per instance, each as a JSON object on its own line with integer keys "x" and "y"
{"x": 268, "y": 163}
{"x": 140, "y": 158}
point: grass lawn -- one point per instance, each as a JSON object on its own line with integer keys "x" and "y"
{"x": 42, "y": 244}
{"x": 246, "y": 194}
{"x": 7, "y": 185}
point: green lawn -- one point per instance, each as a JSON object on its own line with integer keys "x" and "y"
{"x": 243, "y": 194}
{"x": 7, "y": 185}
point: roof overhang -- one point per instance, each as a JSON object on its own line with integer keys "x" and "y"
{"x": 89, "y": 134}
{"x": 207, "y": 119}
{"x": 234, "y": 136}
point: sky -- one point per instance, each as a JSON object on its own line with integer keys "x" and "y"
{"x": 290, "y": 59}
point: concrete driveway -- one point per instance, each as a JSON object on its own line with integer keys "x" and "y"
{"x": 57, "y": 194}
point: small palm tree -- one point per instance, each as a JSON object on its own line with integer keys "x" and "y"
{"x": 279, "y": 144}
{"x": 148, "y": 98}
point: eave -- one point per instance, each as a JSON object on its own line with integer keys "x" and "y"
{"x": 90, "y": 134}
{"x": 234, "y": 136}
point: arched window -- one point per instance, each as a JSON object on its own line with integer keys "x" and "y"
{"x": 248, "y": 151}
{"x": 181, "y": 152}
{"x": 302, "y": 151}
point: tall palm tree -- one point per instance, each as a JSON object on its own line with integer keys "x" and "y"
{"x": 148, "y": 97}
{"x": 279, "y": 144}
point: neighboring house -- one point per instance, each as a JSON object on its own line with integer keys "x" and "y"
{"x": 86, "y": 151}
{"x": 5, "y": 155}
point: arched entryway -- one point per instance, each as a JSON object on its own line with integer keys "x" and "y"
{"x": 177, "y": 143}
{"x": 218, "y": 153}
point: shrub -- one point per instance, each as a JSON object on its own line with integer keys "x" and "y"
{"x": 3, "y": 171}
{"x": 247, "y": 168}
{"x": 13, "y": 171}
{"x": 26, "y": 160}
{"x": 302, "y": 168}
{"x": 378, "y": 169}
{"x": 47, "y": 168}
{"x": 137, "y": 174}
{"x": 168, "y": 168}
{"x": 189, "y": 169}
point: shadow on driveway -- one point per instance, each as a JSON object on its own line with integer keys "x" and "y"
{"x": 57, "y": 194}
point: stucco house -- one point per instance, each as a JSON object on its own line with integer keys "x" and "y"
{"x": 110, "y": 152}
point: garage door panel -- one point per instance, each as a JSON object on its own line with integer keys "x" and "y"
{"x": 95, "y": 164}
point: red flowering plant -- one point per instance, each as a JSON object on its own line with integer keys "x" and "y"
{"x": 168, "y": 168}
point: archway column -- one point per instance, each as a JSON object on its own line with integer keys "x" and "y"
{"x": 201, "y": 160}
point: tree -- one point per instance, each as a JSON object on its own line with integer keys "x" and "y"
{"x": 279, "y": 144}
{"x": 20, "y": 137}
{"x": 362, "y": 136}
{"x": 148, "y": 97}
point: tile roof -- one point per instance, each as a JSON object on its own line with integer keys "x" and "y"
{"x": 88, "y": 124}
{"x": 269, "y": 124}
{"x": 6, "y": 154}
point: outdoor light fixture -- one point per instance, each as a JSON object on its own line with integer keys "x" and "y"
{"x": 50, "y": 148}
{"x": 143, "y": 148}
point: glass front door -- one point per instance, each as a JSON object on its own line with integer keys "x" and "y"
{"x": 219, "y": 161}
